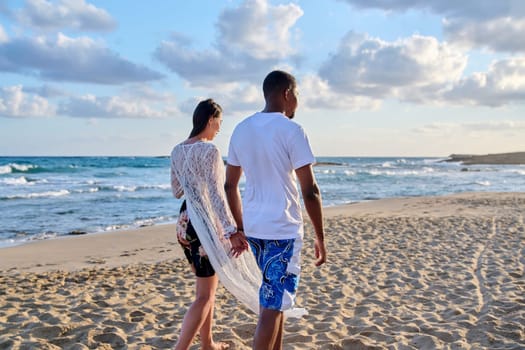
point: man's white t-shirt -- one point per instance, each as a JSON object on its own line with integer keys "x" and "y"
{"x": 269, "y": 147}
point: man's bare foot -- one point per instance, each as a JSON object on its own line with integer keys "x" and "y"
{"x": 217, "y": 346}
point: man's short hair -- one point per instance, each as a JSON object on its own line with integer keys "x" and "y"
{"x": 277, "y": 81}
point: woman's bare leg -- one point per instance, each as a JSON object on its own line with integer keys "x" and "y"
{"x": 199, "y": 311}
{"x": 207, "y": 342}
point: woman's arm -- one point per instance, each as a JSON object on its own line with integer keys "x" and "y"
{"x": 176, "y": 187}
{"x": 215, "y": 181}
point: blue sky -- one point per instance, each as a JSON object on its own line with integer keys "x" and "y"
{"x": 376, "y": 77}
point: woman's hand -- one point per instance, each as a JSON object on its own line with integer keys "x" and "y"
{"x": 239, "y": 243}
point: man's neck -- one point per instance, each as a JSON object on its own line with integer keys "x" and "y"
{"x": 273, "y": 109}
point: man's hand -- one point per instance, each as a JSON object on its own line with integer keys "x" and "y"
{"x": 239, "y": 243}
{"x": 320, "y": 252}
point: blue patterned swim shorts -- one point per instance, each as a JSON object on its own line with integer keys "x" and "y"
{"x": 279, "y": 261}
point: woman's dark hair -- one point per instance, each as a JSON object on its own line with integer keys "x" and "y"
{"x": 203, "y": 112}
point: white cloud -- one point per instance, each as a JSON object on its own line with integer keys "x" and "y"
{"x": 236, "y": 99}
{"x": 241, "y": 99}
{"x": 205, "y": 68}
{"x": 71, "y": 59}
{"x": 14, "y": 103}
{"x": 492, "y": 127}
{"x": 138, "y": 102}
{"x": 259, "y": 29}
{"x": 46, "y": 91}
{"x": 499, "y": 34}
{"x": 60, "y": 14}
{"x": 409, "y": 68}
{"x": 503, "y": 83}
{"x": 316, "y": 93}
{"x": 415, "y": 69}
{"x": 132, "y": 104}
{"x": 503, "y": 125}
{"x": 436, "y": 128}
{"x": 474, "y": 9}
{"x": 3, "y": 35}
{"x": 498, "y": 25}
{"x": 252, "y": 39}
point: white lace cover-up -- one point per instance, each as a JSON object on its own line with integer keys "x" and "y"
{"x": 197, "y": 171}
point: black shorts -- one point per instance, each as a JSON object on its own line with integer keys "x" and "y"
{"x": 194, "y": 253}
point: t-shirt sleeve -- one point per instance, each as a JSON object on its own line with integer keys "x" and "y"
{"x": 300, "y": 150}
{"x": 232, "y": 155}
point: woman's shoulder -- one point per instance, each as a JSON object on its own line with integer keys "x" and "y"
{"x": 199, "y": 147}
{"x": 176, "y": 149}
{"x": 188, "y": 145}
{"x": 205, "y": 145}
{"x": 211, "y": 149}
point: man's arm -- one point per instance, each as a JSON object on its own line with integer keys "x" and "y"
{"x": 314, "y": 208}
{"x": 233, "y": 195}
{"x": 233, "y": 177}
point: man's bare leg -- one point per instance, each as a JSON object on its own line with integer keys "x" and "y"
{"x": 269, "y": 329}
{"x": 279, "y": 339}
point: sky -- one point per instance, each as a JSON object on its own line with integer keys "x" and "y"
{"x": 375, "y": 77}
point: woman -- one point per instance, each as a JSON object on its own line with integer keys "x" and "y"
{"x": 206, "y": 226}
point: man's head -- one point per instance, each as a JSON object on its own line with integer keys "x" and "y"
{"x": 280, "y": 89}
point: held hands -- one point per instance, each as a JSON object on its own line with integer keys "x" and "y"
{"x": 239, "y": 243}
{"x": 320, "y": 252}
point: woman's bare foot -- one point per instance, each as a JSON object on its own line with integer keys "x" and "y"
{"x": 217, "y": 346}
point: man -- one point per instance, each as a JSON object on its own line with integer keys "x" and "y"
{"x": 273, "y": 150}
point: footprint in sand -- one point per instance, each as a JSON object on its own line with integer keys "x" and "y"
{"x": 137, "y": 316}
{"x": 48, "y": 332}
{"x": 113, "y": 339}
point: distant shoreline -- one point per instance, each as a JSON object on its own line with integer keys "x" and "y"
{"x": 467, "y": 159}
{"x": 513, "y": 158}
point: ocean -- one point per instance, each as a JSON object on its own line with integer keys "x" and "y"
{"x": 46, "y": 197}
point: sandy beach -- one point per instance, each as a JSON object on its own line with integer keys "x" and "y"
{"x": 406, "y": 273}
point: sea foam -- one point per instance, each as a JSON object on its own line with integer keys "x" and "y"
{"x": 14, "y": 181}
